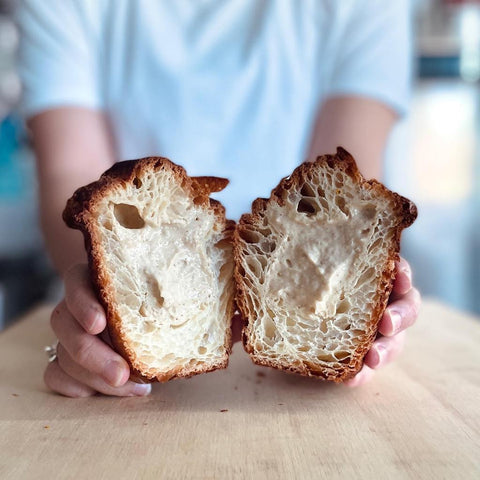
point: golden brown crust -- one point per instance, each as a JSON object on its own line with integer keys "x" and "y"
{"x": 77, "y": 214}
{"x": 405, "y": 210}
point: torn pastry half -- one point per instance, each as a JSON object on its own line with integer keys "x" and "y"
{"x": 160, "y": 259}
{"x": 314, "y": 267}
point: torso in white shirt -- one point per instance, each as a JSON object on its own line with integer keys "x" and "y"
{"x": 225, "y": 88}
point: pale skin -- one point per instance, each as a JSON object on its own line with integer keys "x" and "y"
{"x": 74, "y": 146}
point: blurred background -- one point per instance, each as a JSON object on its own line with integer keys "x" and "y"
{"x": 433, "y": 158}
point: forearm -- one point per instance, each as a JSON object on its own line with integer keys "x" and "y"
{"x": 72, "y": 148}
{"x": 64, "y": 245}
{"x": 360, "y": 125}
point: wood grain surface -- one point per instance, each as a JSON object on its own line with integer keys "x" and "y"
{"x": 418, "y": 419}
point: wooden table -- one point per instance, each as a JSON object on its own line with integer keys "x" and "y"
{"x": 419, "y": 418}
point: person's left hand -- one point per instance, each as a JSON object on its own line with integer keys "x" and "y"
{"x": 400, "y": 314}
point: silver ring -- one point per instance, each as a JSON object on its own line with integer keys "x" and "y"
{"x": 51, "y": 351}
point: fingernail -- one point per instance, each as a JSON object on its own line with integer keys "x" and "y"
{"x": 408, "y": 273}
{"x": 380, "y": 351}
{"x": 396, "y": 321}
{"x": 142, "y": 389}
{"x": 96, "y": 319}
{"x": 99, "y": 316}
{"x": 114, "y": 373}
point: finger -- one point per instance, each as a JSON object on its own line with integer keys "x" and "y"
{"x": 361, "y": 378}
{"x": 384, "y": 350}
{"x": 59, "y": 381}
{"x": 403, "y": 278}
{"x": 400, "y": 314}
{"x": 82, "y": 302}
{"x": 88, "y": 350}
{"x": 96, "y": 382}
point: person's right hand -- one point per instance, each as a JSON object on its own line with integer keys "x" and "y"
{"x": 85, "y": 364}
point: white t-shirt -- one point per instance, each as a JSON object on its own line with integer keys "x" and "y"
{"x": 226, "y": 88}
